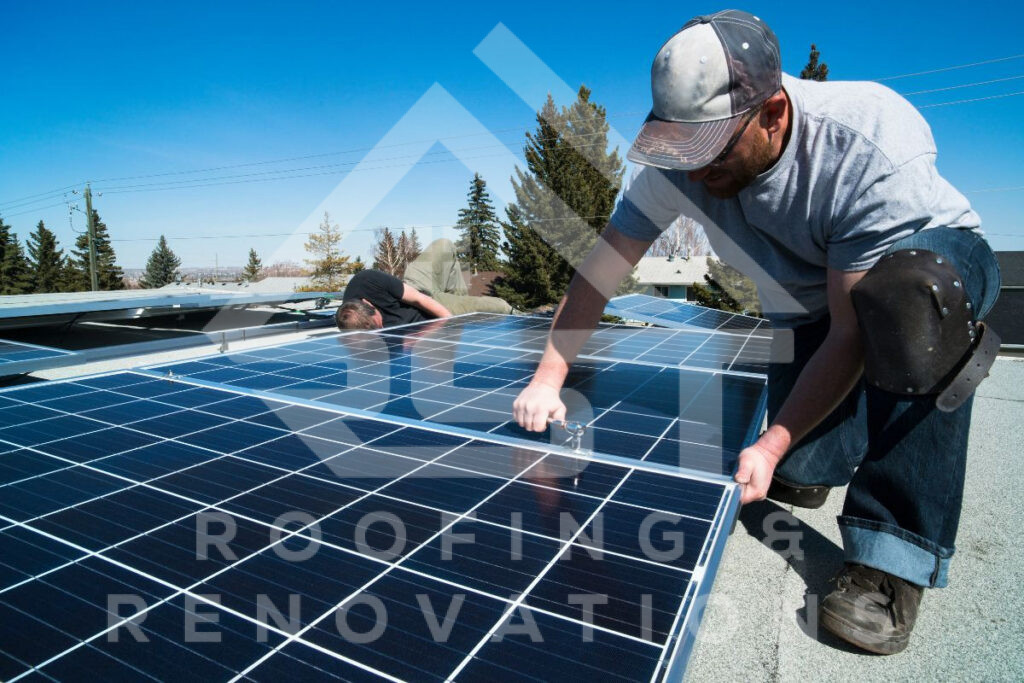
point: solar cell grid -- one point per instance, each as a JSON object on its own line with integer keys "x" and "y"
{"x": 694, "y": 347}
{"x": 672, "y": 313}
{"x": 446, "y": 535}
{"x": 675, "y": 417}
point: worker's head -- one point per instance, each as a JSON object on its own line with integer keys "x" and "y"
{"x": 357, "y": 314}
{"x": 719, "y": 108}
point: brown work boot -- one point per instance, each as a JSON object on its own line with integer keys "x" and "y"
{"x": 872, "y": 609}
{"x": 812, "y": 497}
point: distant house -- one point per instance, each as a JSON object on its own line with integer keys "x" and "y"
{"x": 671, "y": 276}
{"x": 1007, "y": 316}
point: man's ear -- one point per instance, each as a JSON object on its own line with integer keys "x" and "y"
{"x": 774, "y": 111}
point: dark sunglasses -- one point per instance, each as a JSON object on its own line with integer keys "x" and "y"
{"x": 735, "y": 138}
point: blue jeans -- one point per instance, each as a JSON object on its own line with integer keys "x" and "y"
{"x": 903, "y": 458}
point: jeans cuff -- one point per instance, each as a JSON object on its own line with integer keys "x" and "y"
{"x": 895, "y": 550}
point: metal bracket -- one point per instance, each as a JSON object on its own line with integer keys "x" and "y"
{"x": 575, "y": 430}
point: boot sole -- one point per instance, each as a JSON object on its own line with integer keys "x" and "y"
{"x": 865, "y": 640}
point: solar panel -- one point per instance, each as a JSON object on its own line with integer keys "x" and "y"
{"x": 18, "y": 357}
{"x": 690, "y": 347}
{"x": 672, "y": 313}
{"x": 691, "y": 419}
{"x": 153, "y": 525}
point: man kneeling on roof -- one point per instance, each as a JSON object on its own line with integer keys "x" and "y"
{"x": 433, "y": 287}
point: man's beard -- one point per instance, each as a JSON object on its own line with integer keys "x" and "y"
{"x": 756, "y": 162}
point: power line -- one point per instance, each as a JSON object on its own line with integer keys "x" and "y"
{"x": 974, "y": 99}
{"x": 950, "y": 68}
{"x": 996, "y": 189}
{"x": 344, "y": 231}
{"x": 340, "y": 165}
{"x": 59, "y": 190}
{"x": 42, "y": 208}
{"x": 353, "y": 150}
{"x": 965, "y": 85}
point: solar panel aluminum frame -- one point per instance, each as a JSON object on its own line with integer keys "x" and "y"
{"x": 17, "y": 367}
{"x": 224, "y": 337}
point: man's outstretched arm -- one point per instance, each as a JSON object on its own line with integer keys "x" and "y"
{"x": 611, "y": 260}
{"x": 825, "y": 381}
{"x": 425, "y": 303}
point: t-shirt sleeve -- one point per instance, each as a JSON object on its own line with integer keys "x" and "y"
{"x": 372, "y": 285}
{"x": 890, "y": 208}
{"x": 647, "y": 206}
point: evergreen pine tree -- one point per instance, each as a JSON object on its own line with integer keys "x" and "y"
{"x": 109, "y": 274}
{"x": 46, "y": 261}
{"x": 563, "y": 201}
{"x": 815, "y": 71}
{"x": 15, "y": 275}
{"x": 481, "y": 237}
{"x": 727, "y": 289}
{"x": 329, "y": 264}
{"x": 527, "y": 272}
{"x": 5, "y": 240}
{"x": 162, "y": 266}
{"x": 253, "y": 268}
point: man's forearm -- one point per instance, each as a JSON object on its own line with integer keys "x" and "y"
{"x": 825, "y": 381}
{"x": 595, "y": 281}
{"x": 575, "y": 320}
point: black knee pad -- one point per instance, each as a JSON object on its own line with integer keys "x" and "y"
{"x": 919, "y": 330}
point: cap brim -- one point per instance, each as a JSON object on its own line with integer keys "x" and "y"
{"x": 680, "y": 145}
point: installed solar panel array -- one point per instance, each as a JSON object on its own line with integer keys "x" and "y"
{"x": 672, "y": 313}
{"x": 18, "y": 357}
{"x": 359, "y": 507}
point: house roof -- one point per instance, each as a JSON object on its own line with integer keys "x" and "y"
{"x": 659, "y": 270}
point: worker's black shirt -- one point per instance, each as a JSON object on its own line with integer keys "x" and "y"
{"x": 385, "y": 292}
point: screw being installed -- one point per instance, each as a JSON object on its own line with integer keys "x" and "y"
{"x": 575, "y": 430}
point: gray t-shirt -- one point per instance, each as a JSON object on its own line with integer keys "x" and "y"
{"x": 857, "y": 174}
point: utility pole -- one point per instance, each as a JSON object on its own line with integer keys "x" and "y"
{"x": 93, "y": 275}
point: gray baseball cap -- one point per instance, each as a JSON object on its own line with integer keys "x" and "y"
{"x": 704, "y": 80}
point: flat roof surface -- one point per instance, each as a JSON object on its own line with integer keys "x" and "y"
{"x": 757, "y": 627}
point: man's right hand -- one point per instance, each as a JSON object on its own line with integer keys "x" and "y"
{"x": 537, "y": 403}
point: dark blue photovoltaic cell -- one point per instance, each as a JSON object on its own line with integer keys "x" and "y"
{"x": 303, "y": 663}
{"x": 67, "y": 606}
{"x": 54, "y": 491}
{"x": 230, "y": 644}
{"x": 23, "y": 464}
{"x": 115, "y": 518}
{"x": 671, "y": 312}
{"x": 170, "y": 553}
{"x": 543, "y": 647}
{"x": 408, "y": 631}
{"x": 492, "y": 559}
{"x": 12, "y": 352}
{"x": 622, "y": 584}
{"x": 323, "y": 579}
{"x": 24, "y": 554}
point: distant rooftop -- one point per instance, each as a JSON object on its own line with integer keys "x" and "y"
{"x": 660, "y": 270}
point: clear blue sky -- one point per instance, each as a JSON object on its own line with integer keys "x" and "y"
{"x": 100, "y": 91}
